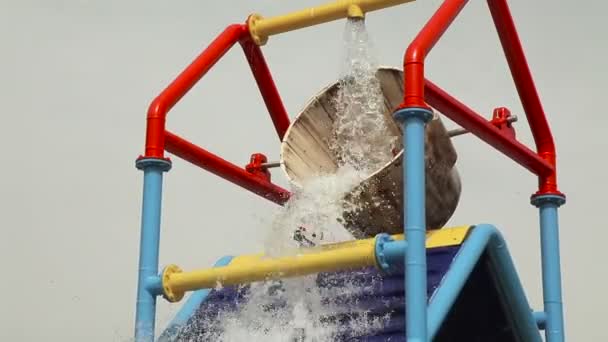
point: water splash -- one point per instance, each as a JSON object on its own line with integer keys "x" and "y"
{"x": 363, "y": 145}
{"x": 293, "y": 310}
{"x": 318, "y": 208}
{"x": 361, "y": 142}
{"x": 360, "y": 130}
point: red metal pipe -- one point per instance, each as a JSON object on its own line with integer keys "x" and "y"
{"x": 414, "y": 95}
{"x": 413, "y": 64}
{"x": 527, "y": 91}
{"x": 157, "y": 112}
{"x": 218, "y": 166}
{"x": 158, "y": 139}
{"x": 265, "y": 83}
{"x": 486, "y": 131}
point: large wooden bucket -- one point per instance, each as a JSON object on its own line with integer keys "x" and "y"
{"x": 305, "y": 153}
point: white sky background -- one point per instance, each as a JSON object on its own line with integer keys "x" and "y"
{"x": 76, "y": 78}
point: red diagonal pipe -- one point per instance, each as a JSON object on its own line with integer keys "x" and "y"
{"x": 486, "y": 131}
{"x": 223, "y": 168}
{"x": 157, "y": 112}
{"x": 265, "y": 83}
{"x": 528, "y": 95}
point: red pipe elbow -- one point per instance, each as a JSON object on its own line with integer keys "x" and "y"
{"x": 413, "y": 61}
{"x": 413, "y": 73}
{"x": 157, "y": 112}
{"x": 155, "y": 129}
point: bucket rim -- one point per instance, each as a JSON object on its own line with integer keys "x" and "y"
{"x": 312, "y": 100}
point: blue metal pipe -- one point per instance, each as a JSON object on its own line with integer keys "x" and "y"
{"x": 511, "y": 288}
{"x": 454, "y": 280}
{"x": 483, "y": 238}
{"x": 154, "y": 285}
{"x": 552, "y": 287}
{"x": 148, "y": 246}
{"x": 414, "y": 121}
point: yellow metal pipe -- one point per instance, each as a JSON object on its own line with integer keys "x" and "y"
{"x": 261, "y": 28}
{"x": 324, "y": 258}
{"x": 328, "y": 258}
{"x": 434, "y": 238}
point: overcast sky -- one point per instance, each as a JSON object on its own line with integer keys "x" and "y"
{"x": 76, "y": 78}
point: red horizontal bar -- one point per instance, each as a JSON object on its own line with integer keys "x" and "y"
{"x": 524, "y": 83}
{"x": 476, "y": 124}
{"x": 220, "y": 167}
{"x": 265, "y": 83}
{"x": 157, "y": 112}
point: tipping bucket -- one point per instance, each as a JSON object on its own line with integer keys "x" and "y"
{"x": 305, "y": 153}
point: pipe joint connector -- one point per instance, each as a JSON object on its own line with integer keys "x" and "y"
{"x": 553, "y": 199}
{"x": 154, "y": 285}
{"x": 355, "y": 12}
{"x": 381, "y": 257}
{"x": 257, "y": 37}
{"x": 170, "y": 294}
{"x": 144, "y": 163}
{"x": 390, "y": 253}
{"x": 405, "y": 114}
{"x": 540, "y": 317}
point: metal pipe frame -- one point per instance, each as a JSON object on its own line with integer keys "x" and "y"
{"x": 154, "y": 163}
{"x": 543, "y": 163}
{"x": 158, "y": 139}
{"x": 413, "y": 111}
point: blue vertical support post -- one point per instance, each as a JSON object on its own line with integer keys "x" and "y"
{"x": 552, "y": 286}
{"x": 414, "y": 121}
{"x": 147, "y": 291}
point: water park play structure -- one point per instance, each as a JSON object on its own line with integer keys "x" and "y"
{"x": 450, "y": 284}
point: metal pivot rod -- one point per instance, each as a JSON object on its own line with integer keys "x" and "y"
{"x": 460, "y": 131}
{"x": 153, "y": 169}
{"x": 414, "y": 120}
{"x": 552, "y": 287}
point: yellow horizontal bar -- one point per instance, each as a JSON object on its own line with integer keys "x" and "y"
{"x": 261, "y": 28}
{"x": 434, "y": 238}
{"x": 325, "y": 258}
{"x": 176, "y": 283}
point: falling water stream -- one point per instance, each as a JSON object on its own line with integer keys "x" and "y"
{"x": 362, "y": 146}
